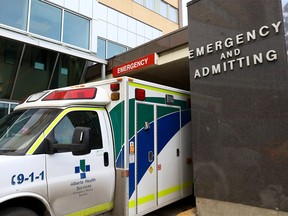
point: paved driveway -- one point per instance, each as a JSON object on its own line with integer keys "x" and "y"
{"x": 185, "y": 207}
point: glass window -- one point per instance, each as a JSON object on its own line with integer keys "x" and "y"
{"x": 14, "y": 13}
{"x": 101, "y": 48}
{"x": 122, "y": 21}
{"x": 12, "y": 106}
{"x": 157, "y": 6}
{"x": 112, "y": 16}
{"x": 19, "y": 130}
{"x": 112, "y": 32}
{"x": 38, "y": 58}
{"x": 140, "y": 40}
{"x": 63, "y": 132}
{"x": 107, "y": 49}
{"x": 68, "y": 71}
{"x": 163, "y": 9}
{"x": 76, "y": 30}
{"x": 148, "y": 32}
{"x": 102, "y": 28}
{"x": 114, "y": 49}
{"x": 35, "y": 72}
{"x": 132, "y": 25}
{"x": 139, "y": 1}
{"x": 140, "y": 28}
{"x": 132, "y": 39}
{"x": 150, "y": 4}
{"x": 122, "y": 36}
{"x": 10, "y": 52}
{"x": 45, "y": 20}
{"x": 4, "y": 109}
{"x": 102, "y": 11}
{"x": 156, "y": 33}
{"x": 173, "y": 14}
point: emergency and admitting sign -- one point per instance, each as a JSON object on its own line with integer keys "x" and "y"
{"x": 136, "y": 64}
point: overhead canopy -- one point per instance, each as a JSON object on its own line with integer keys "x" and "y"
{"x": 170, "y": 68}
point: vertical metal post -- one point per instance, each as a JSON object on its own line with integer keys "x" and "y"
{"x": 103, "y": 71}
{"x": 53, "y": 71}
{"x": 180, "y": 12}
{"x": 17, "y": 72}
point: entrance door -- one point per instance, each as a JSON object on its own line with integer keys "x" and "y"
{"x": 146, "y": 155}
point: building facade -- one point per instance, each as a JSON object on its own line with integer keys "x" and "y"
{"x": 46, "y": 44}
{"x": 129, "y": 23}
{"x": 238, "y": 83}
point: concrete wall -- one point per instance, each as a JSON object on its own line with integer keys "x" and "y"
{"x": 239, "y": 88}
{"x": 208, "y": 207}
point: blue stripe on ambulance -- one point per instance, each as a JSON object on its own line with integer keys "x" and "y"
{"x": 185, "y": 117}
{"x": 165, "y": 128}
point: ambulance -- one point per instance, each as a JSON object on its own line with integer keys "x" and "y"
{"x": 118, "y": 147}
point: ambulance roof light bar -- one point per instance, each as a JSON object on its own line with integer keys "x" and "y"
{"x": 83, "y": 93}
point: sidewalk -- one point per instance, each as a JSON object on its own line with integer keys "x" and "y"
{"x": 190, "y": 212}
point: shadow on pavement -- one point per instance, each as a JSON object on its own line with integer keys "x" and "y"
{"x": 184, "y": 207}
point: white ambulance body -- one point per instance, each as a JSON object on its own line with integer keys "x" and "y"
{"x": 115, "y": 147}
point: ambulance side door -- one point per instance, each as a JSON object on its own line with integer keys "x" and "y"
{"x": 82, "y": 183}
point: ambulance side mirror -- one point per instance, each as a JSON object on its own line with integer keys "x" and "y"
{"x": 80, "y": 143}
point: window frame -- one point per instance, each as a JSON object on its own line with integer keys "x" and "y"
{"x": 53, "y": 9}
{"x": 32, "y": 31}
{"x": 106, "y": 47}
{"x": 88, "y": 45}
{"x": 25, "y": 14}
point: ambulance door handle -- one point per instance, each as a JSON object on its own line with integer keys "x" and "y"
{"x": 106, "y": 159}
{"x": 178, "y": 152}
{"x": 150, "y": 156}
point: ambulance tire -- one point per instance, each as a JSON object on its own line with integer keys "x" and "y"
{"x": 17, "y": 211}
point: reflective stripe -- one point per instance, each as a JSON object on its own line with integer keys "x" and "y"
{"x": 174, "y": 189}
{"x": 52, "y": 125}
{"x": 132, "y": 204}
{"x": 146, "y": 199}
{"x": 158, "y": 89}
{"x": 169, "y": 191}
{"x": 93, "y": 210}
{"x": 142, "y": 200}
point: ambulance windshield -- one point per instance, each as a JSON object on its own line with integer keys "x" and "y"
{"x": 19, "y": 130}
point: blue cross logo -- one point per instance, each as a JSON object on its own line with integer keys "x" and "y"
{"x": 82, "y": 169}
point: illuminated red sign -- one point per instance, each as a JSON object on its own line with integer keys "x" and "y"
{"x": 134, "y": 65}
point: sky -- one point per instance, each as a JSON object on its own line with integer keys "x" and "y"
{"x": 185, "y": 17}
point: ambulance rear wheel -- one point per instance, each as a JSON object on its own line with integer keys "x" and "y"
{"x": 17, "y": 211}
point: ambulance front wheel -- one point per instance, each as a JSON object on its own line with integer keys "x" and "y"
{"x": 17, "y": 211}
